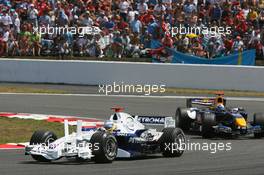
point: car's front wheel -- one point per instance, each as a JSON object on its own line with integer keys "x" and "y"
{"x": 172, "y": 142}
{"x": 42, "y": 137}
{"x": 104, "y": 147}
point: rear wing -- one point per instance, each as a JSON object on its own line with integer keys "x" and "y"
{"x": 166, "y": 121}
{"x": 210, "y": 102}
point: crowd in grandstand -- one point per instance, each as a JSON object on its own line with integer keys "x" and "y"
{"x": 125, "y": 28}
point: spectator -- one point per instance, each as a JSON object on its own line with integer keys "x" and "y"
{"x": 136, "y": 25}
{"x": 261, "y": 19}
{"x": 238, "y": 44}
{"x": 123, "y": 6}
{"x": 189, "y": 8}
{"x": 45, "y": 19}
{"x": 142, "y": 7}
{"x": 6, "y": 19}
{"x": 36, "y": 44}
{"x": 117, "y": 45}
{"x": 125, "y": 28}
{"x": 16, "y": 26}
{"x": 4, "y": 41}
{"x": 33, "y": 15}
{"x": 159, "y": 8}
{"x": 216, "y": 13}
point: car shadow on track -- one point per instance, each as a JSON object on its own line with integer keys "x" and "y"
{"x": 73, "y": 162}
{"x": 198, "y": 137}
{"x": 194, "y": 135}
{"x": 140, "y": 158}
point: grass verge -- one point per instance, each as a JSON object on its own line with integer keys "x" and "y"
{"x": 231, "y": 93}
{"x": 13, "y": 89}
{"x": 14, "y": 130}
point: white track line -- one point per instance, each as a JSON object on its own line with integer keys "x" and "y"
{"x": 135, "y": 96}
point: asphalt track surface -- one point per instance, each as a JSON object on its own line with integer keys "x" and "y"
{"x": 245, "y": 158}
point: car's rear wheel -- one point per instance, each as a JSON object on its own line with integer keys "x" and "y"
{"x": 172, "y": 142}
{"x": 258, "y": 135}
{"x": 104, "y": 147}
{"x": 42, "y": 137}
{"x": 189, "y": 103}
{"x": 258, "y": 119}
{"x": 207, "y": 125}
{"x": 182, "y": 120}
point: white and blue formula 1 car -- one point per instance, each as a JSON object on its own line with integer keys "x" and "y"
{"x": 122, "y": 136}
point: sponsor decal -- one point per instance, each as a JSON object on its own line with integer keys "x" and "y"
{"x": 136, "y": 140}
{"x": 151, "y": 120}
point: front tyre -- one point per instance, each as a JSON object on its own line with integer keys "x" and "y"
{"x": 104, "y": 147}
{"x": 42, "y": 137}
{"x": 172, "y": 142}
{"x": 258, "y": 119}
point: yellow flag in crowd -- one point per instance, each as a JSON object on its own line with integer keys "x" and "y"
{"x": 240, "y": 58}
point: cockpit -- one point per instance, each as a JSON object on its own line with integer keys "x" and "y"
{"x": 125, "y": 122}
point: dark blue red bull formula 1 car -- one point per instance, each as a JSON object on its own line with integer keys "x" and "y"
{"x": 212, "y": 118}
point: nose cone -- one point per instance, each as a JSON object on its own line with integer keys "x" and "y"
{"x": 241, "y": 122}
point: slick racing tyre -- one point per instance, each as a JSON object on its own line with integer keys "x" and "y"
{"x": 172, "y": 142}
{"x": 42, "y": 137}
{"x": 207, "y": 125}
{"x": 182, "y": 120}
{"x": 258, "y": 119}
{"x": 189, "y": 103}
{"x": 104, "y": 147}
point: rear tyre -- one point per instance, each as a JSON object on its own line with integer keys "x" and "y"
{"x": 189, "y": 103}
{"x": 258, "y": 135}
{"x": 258, "y": 119}
{"x": 104, "y": 147}
{"x": 182, "y": 119}
{"x": 172, "y": 142}
{"x": 42, "y": 137}
{"x": 207, "y": 125}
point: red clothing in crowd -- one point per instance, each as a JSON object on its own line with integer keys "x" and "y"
{"x": 229, "y": 44}
{"x": 161, "y": 51}
{"x": 121, "y": 25}
{"x": 259, "y": 48}
{"x": 240, "y": 16}
{"x": 42, "y": 7}
{"x": 146, "y": 18}
{"x": 165, "y": 27}
{"x": 242, "y": 26}
{"x": 167, "y": 41}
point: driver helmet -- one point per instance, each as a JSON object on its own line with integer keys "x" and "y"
{"x": 220, "y": 107}
{"x": 109, "y": 125}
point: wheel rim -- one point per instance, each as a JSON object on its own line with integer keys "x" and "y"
{"x": 49, "y": 140}
{"x": 111, "y": 148}
{"x": 180, "y": 139}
